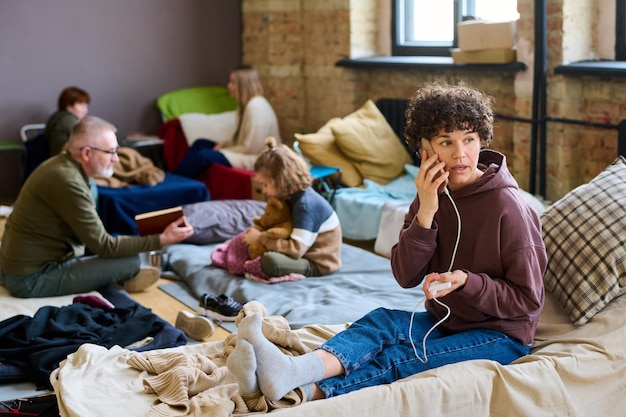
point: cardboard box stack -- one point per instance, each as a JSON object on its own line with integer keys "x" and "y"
{"x": 485, "y": 42}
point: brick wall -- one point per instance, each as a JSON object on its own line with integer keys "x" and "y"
{"x": 295, "y": 44}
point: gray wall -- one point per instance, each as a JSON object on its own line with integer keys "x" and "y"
{"x": 125, "y": 53}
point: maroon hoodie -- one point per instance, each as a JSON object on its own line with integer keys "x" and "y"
{"x": 500, "y": 247}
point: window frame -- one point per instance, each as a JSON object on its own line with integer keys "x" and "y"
{"x": 463, "y": 10}
{"x": 620, "y": 30}
{"x": 399, "y": 28}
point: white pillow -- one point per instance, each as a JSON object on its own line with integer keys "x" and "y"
{"x": 218, "y": 127}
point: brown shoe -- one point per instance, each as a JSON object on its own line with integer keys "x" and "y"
{"x": 146, "y": 277}
{"x": 194, "y": 326}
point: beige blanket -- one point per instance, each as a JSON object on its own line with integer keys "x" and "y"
{"x": 571, "y": 372}
{"x": 132, "y": 168}
{"x": 200, "y": 384}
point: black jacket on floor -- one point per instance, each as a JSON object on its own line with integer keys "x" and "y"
{"x": 37, "y": 344}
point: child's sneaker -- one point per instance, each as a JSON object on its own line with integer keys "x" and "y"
{"x": 219, "y": 307}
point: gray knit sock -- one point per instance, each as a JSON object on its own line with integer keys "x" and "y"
{"x": 309, "y": 390}
{"x": 278, "y": 373}
{"x": 242, "y": 364}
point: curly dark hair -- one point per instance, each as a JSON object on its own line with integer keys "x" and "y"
{"x": 437, "y": 106}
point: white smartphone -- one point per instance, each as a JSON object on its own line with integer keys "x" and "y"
{"x": 429, "y": 148}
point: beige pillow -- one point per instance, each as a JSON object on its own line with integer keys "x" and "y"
{"x": 320, "y": 149}
{"x": 366, "y": 138}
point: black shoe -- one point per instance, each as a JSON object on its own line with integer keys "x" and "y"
{"x": 219, "y": 307}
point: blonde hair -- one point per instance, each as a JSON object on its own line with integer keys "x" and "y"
{"x": 248, "y": 85}
{"x": 285, "y": 167}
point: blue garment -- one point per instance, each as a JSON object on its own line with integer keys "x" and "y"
{"x": 37, "y": 151}
{"x": 119, "y": 205}
{"x": 198, "y": 158}
{"x": 376, "y": 349}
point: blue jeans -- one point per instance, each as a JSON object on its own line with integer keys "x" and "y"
{"x": 198, "y": 158}
{"x": 376, "y": 349}
{"x": 74, "y": 276}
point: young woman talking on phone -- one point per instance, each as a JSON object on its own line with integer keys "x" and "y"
{"x": 478, "y": 235}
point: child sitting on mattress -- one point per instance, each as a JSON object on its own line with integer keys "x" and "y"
{"x": 314, "y": 247}
{"x": 493, "y": 266}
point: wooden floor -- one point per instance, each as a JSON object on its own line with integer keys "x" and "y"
{"x": 167, "y": 307}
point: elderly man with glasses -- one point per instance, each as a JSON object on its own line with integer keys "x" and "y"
{"x": 54, "y": 242}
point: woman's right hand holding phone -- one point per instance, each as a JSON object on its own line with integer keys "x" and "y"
{"x": 428, "y": 181}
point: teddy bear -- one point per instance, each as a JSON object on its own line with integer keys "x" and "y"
{"x": 276, "y": 222}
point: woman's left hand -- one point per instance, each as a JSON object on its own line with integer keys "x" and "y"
{"x": 456, "y": 278}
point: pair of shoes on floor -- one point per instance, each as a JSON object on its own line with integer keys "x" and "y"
{"x": 145, "y": 278}
{"x": 219, "y": 307}
{"x": 194, "y": 326}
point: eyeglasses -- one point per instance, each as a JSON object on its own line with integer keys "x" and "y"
{"x": 113, "y": 152}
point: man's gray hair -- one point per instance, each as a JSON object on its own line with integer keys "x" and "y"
{"x": 88, "y": 130}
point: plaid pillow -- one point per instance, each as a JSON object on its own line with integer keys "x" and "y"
{"x": 584, "y": 234}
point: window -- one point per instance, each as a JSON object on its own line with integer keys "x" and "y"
{"x": 428, "y": 27}
{"x": 620, "y": 30}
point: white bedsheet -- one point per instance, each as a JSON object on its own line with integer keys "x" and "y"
{"x": 391, "y": 221}
{"x": 571, "y": 372}
{"x": 12, "y": 306}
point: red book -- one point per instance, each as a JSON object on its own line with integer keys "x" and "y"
{"x": 154, "y": 222}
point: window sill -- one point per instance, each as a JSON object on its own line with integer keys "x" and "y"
{"x": 426, "y": 62}
{"x": 593, "y": 68}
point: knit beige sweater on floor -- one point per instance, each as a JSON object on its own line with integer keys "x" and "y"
{"x": 196, "y": 384}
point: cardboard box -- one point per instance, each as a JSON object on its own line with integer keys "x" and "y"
{"x": 487, "y": 56}
{"x": 477, "y": 35}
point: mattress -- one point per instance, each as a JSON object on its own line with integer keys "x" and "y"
{"x": 364, "y": 282}
{"x": 571, "y": 371}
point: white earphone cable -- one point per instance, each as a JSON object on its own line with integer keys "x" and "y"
{"x": 456, "y": 245}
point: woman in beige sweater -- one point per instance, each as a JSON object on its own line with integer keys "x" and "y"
{"x": 256, "y": 121}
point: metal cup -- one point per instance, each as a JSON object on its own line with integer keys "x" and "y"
{"x": 154, "y": 259}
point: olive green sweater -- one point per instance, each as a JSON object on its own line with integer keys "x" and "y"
{"x": 58, "y": 129}
{"x": 55, "y": 218}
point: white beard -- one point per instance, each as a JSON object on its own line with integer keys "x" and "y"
{"x": 106, "y": 173}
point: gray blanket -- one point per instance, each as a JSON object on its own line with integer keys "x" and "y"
{"x": 364, "y": 283}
